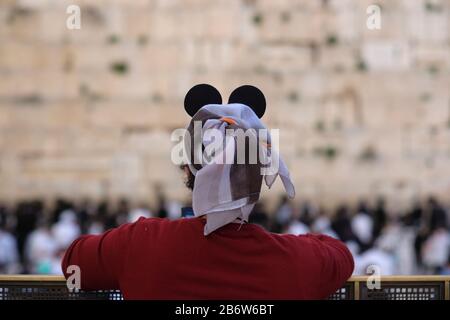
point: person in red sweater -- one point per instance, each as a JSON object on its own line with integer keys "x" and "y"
{"x": 216, "y": 254}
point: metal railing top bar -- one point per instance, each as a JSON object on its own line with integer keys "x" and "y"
{"x": 403, "y": 278}
{"x": 400, "y": 278}
{"x": 31, "y": 277}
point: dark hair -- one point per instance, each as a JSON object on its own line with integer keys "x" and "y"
{"x": 190, "y": 178}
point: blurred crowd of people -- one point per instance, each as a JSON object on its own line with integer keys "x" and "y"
{"x": 34, "y": 236}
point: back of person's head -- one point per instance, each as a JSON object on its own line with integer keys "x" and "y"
{"x": 226, "y": 156}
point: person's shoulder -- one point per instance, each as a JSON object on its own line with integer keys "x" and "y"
{"x": 154, "y": 220}
{"x": 303, "y": 240}
{"x": 276, "y": 237}
{"x": 164, "y": 223}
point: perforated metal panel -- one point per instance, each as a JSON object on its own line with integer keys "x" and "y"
{"x": 51, "y": 290}
{"x": 405, "y": 291}
{"x": 392, "y": 288}
{"x": 347, "y": 292}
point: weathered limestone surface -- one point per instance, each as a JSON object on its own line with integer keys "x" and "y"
{"x": 89, "y": 112}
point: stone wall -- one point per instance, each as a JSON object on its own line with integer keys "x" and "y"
{"x": 89, "y": 112}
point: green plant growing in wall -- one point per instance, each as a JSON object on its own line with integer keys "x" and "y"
{"x": 332, "y": 40}
{"x": 329, "y": 152}
{"x": 433, "y": 7}
{"x": 258, "y": 19}
{"x": 113, "y": 39}
{"x": 361, "y": 65}
{"x": 320, "y": 126}
{"x": 433, "y": 69}
{"x": 119, "y": 67}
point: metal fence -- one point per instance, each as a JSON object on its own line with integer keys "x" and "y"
{"x": 33, "y": 287}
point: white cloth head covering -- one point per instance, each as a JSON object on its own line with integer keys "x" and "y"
{"x": 226, "y": 191}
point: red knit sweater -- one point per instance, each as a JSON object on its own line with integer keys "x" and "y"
{"x": 162, "y": 259}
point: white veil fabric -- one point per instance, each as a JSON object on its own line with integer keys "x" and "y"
{"x": 227, "y": 190}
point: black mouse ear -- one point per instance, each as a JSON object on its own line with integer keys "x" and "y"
{"x": 200, "y": 95}
{"x": 250, "y": 96}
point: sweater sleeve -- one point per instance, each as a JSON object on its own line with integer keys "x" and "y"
{"x": 99, "y": 257}
{"x": 336, "y": 264}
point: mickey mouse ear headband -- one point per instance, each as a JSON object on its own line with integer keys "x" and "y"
{"x": 250, "y": 96}
{"x": 199, "y": 96}
{"x": 203, "y": 94}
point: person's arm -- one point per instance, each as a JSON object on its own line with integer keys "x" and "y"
{"x": 99, "y": 257}
{"x": 336, "y": 263}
